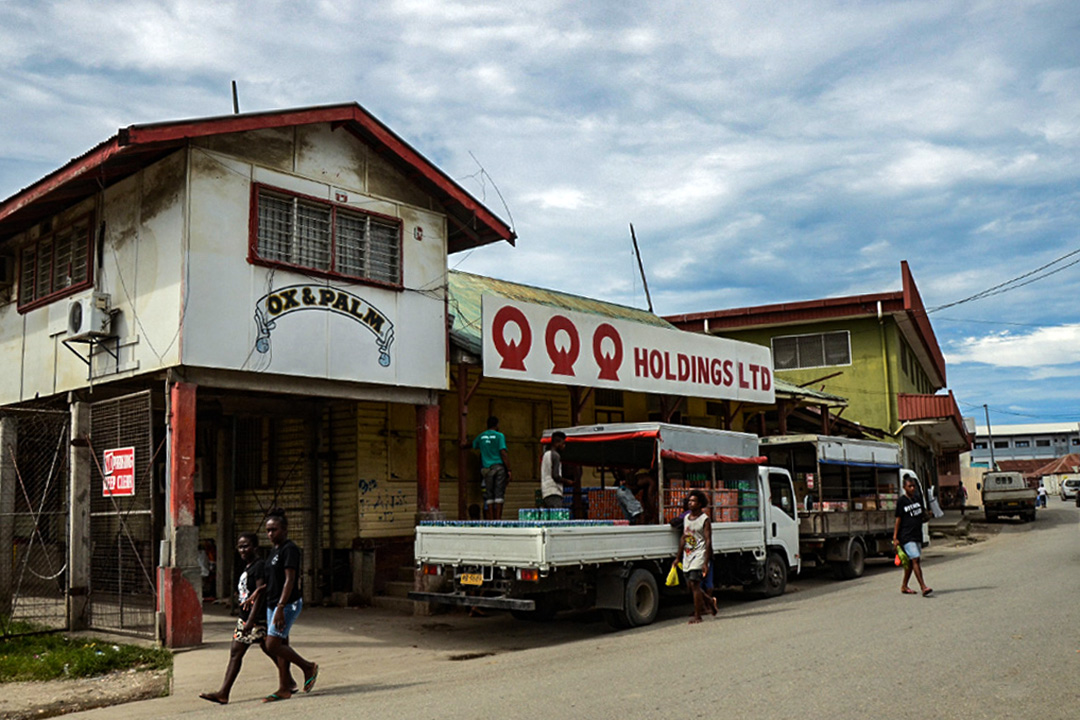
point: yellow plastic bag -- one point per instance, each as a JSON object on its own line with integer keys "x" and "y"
{"x": 672, "y": 576}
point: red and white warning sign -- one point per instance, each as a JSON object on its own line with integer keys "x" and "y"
{"x": 119, "y": 480}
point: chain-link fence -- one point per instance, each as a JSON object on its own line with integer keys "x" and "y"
{"x": 34, "y": 481}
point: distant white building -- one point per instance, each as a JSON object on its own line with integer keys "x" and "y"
{"x": 1033, "y": 441}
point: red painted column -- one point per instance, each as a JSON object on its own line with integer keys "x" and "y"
{"x": 181, "y": 598}
{"x": 427, "y": 458}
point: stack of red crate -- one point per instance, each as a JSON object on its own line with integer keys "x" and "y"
{"x": 725, "y": 506}
{"x": 603, "y": 505}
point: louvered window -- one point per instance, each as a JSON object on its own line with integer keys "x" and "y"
{"x": 56, "y": 265}
{"x": 809, "y": 351}
{"x": 326, "y": 238}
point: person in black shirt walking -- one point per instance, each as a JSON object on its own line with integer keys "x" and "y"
{"x": 251, "y": 625}
{"x": 907, "y": 533}
{"x": 283, "y": 605}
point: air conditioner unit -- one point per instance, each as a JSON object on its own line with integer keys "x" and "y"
{"x": 89, "y": 317}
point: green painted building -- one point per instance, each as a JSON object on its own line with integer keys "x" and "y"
{"x": 878, "y": 351}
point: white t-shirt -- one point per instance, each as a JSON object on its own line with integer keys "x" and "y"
{"x": 550, "y": 469}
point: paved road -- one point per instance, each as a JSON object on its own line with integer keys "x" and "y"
{"x": 1000, "y": 638}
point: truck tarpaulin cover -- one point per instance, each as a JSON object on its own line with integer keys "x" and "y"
{"x": 609, "y": 437}
{"x": 694, "y": 458}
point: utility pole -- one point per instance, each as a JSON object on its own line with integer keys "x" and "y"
{"x": 989, "y": 438}
{"x": 641, "y": 268}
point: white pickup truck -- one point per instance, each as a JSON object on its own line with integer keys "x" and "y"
{"x": 1006, "y": 493}
{"x": 535, "y": 569}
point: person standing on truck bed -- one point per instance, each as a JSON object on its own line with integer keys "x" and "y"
{"x": 494, "y": 468}
{"x": 907, "y": 533}
{"x": 695, "y": 551}
{"x": 551, "y": 476}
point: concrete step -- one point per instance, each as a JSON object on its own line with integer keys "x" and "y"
{"x": 398, "y": 588}
{"x": 397, "y": 604}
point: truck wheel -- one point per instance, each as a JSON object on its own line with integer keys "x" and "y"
{"x": 855, "y": 564}
{"x": 775, "y": 581}
{"x": 642, "y": 599}
{"x": 615, "y": 618}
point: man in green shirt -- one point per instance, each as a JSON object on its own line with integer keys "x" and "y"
{"x": 494, "y": 468}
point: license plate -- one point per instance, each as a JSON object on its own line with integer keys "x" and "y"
{"x": 471, "y": 579}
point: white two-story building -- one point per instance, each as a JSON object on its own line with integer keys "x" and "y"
{"x": 220, "y": 316}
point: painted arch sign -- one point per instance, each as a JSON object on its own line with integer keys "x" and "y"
{"x": 524, "y": 341}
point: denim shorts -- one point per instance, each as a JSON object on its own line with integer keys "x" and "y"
{"x": 913, "y": 549}
{"x": 291, "y": 610}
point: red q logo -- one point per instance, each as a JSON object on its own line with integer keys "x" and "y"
{"x": 562, "y": 360}
{"x": 513, "y": 355}
{"x": 609, "y": 364}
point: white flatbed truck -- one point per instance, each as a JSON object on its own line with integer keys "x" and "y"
{"x": 847, "y": 491}
{"x": 536, "y": 571}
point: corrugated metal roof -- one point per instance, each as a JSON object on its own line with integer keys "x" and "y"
{"x": 466, "y": 291}
{"x": 942, "y": 408}
{"x": 1061, "y": 466}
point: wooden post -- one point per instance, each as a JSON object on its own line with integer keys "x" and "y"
{"x": 9, "y": 431}
{"x": 81, "y": 472}
{"x": 313, "y": 502}
{"x": 463, "y": 438}
{"x": 782, "y": 413}
{"x": 824, "y": 419}
{"x": 427, "y": 459}
{"x": 179, "y": 581}
{"x": 226, "y": 507}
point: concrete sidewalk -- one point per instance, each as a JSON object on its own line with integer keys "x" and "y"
{"x": 358, "y": 649}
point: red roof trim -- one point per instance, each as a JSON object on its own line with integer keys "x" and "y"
{"x": 913, "y": 304}
{"x": 907, "y": 301}
{"x": 75, "y": 168}
{"x": 352, "y": 115}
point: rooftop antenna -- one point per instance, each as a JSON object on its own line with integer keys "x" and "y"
{"x": 235, "y": 100}
{"x": 641, "y": 268}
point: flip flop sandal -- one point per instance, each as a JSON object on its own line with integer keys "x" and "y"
{"x": 908, "y": 591}
{"x": 927, "y": 591}
{"x": 309, "y": 684}
{"x": 273, "y": 697}
{"x": 213, "y": 698}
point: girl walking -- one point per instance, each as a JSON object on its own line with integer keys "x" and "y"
{"x": 283, "y": 606}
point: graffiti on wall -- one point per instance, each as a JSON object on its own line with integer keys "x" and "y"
{"x": 380, "y": 504}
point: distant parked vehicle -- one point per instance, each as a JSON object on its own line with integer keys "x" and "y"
{"x": 1069, "y": 488}
{"x": 1005, "y": 493}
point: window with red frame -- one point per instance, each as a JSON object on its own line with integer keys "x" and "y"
{"x": 56, "y": 265}
{"x": 313, "y": 235}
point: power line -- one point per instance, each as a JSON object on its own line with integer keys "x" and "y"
{"x": 1009, "y": 284}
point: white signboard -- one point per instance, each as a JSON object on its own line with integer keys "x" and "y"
{"x": 119, "y": 480}
{"x": 523, "y": 341}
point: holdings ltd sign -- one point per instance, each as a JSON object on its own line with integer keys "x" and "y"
{"x": 523, "y": 341}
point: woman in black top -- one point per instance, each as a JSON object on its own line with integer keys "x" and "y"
{"x": 251, "y": 626}
{"x": 283, "y": 606}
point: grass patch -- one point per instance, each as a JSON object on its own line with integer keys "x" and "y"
{"x": 55, "y": 656}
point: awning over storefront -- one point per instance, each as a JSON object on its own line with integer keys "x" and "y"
{"x": 938, "y": 416}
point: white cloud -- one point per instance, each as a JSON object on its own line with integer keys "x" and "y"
{"x": 1046, "y": 346}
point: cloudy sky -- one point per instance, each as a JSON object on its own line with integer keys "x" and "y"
{"x": 765, "y": 151}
